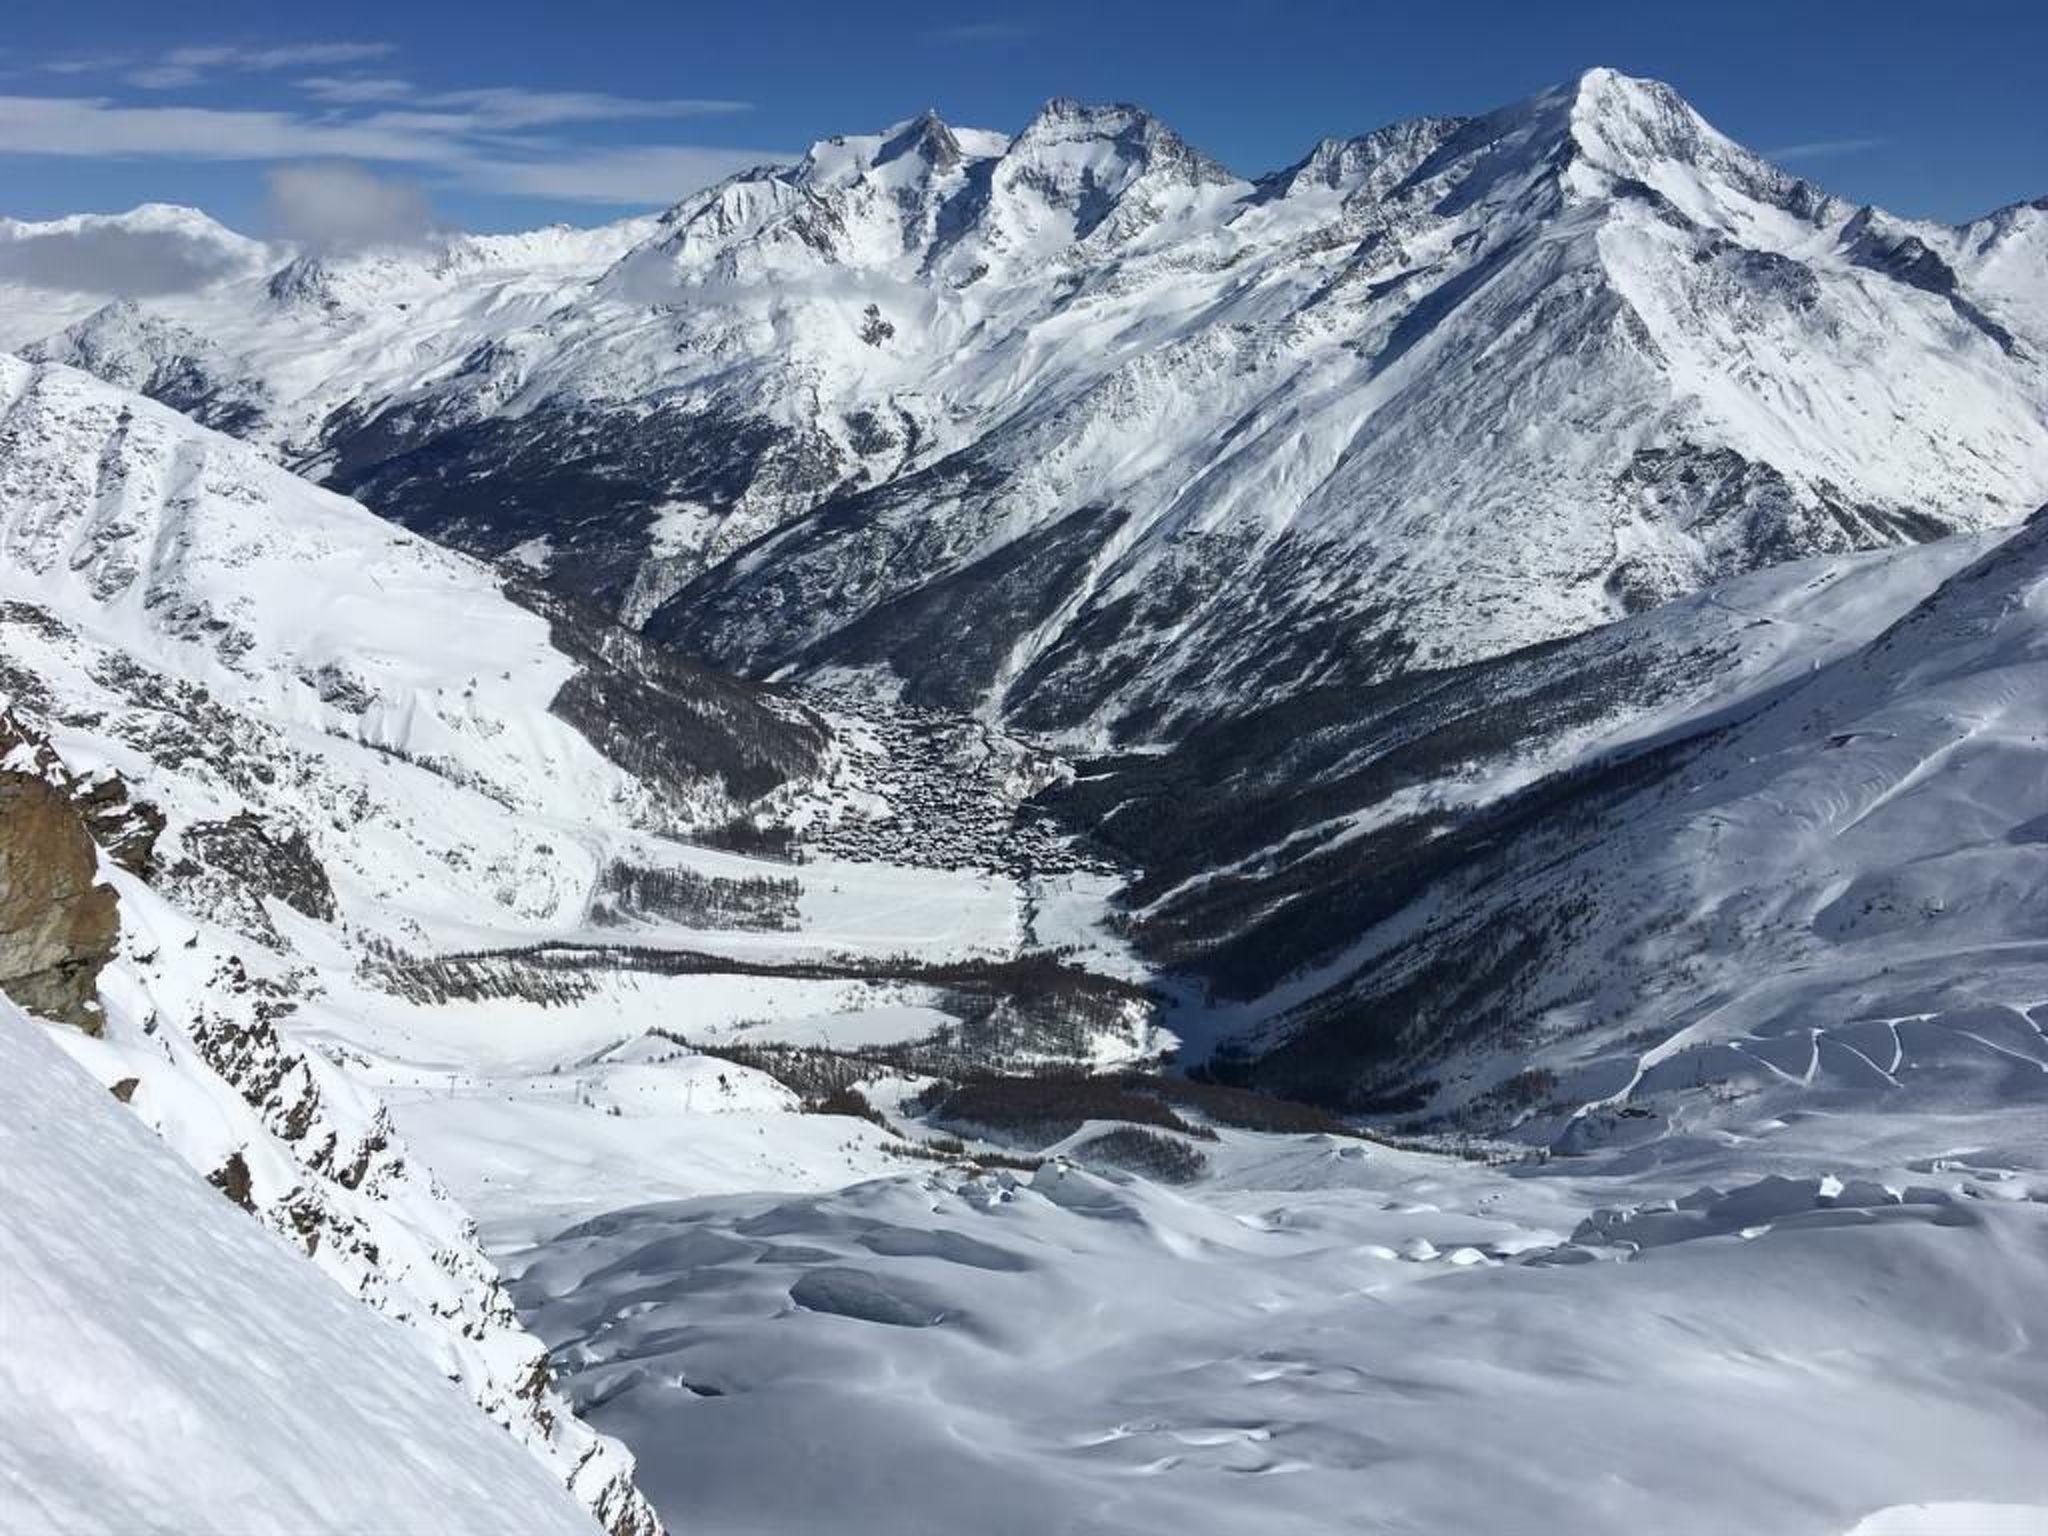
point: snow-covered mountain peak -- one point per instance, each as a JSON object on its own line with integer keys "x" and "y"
{"x": 1627, "y": 133}
{"x": 1606, "y": 104}
{"x": 54, "y": 272}
{"x": 926, "y": 137}
{"x": 1104, "y": 148}
{"x": 170, "y": 218}
{"x": 1368, "y": 165}
{"x": 303, "y": 281}
{"x": 1276, "y": 408}
{"x": 917, "y": 148}
{"x": 1099, "y": 175}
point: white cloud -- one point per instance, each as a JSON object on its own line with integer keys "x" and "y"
{"x": 101, "y": 256}
{"x": 640, "y": 175}
{"x": 86, "y": 64}
{"x": 498, "y": 107}
{"x": 188, "y": 66}
{"x": 94, "y": 126}
{"x": 505, "y": 140}
{"x": 289, "y": 56}
{"x": 340, "y": 207}
{"x": 164, "y": 77}
{"x": 353, "y": 90}
{"x": 1820, "y": 149}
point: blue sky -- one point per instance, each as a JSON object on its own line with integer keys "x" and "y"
{"x": 516, "y": 112}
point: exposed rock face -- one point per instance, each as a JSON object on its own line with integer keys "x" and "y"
{"x": 57, "y": 926}
{"x": 125, "y": 827}
{"x": 279, "y": 864}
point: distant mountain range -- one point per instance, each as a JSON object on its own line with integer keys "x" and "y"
{"x": 1080, "y": 430}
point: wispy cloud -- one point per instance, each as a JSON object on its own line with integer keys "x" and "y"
{"x": 92, "y": 125}
{"x": 343, "y": 207}
{"x": 633, "y": 175}
{"x": 502, "y": 107}
{"x": 105, "y": 256}
{"x": 355, "y": 90}
{"x": 188, "y": 66}
{"x": 474, "y": 145}
{"x": 502, "y": 139}
{"x": 87, "y": 64}
{"x": 1822, "y": 149}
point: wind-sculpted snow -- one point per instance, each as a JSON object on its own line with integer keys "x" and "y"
{"x": 1147, "y": 442}
{"x": 1320, "y": 1332}
{"x": 166, "y": 1365}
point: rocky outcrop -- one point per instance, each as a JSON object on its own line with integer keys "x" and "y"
{"x": 125, "y": 827}
{"x": 278, "y": 863}
{"x": 57, "y": 923}
{"x": 321, "y": 1164}
{"x": 193, "y": 1040}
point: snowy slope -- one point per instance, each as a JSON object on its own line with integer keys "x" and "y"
{"x": 1234, "y": 827}
{"x": 348, "y": 736}
{"x": 1829, "y": 900}
{"x": 393, "y": 861}
{"x": 168, "y": 1366}
{"x": 1141, "y": 441}
{"x": 312, "y": 656}
{"x": 1326, "y": 1335}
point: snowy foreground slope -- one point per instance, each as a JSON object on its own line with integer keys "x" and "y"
{"x": 1777, "y": 1269}
{"x": 1083, "y": 429}
{"x": 1324, "y": 1335}
{"x": 166, "y": 1366}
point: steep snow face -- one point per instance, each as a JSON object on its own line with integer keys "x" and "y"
{"x": 1833, "y": 902}
{"x": 167, "y": 1365}
{"x": 378, "y": 807}
{"x": 1267, "y": 840}
{"x": 2005, "y": 257}
{"x": 195, "y": 1041}
{"x": 1307, "y": 477}
{"x": 1151, "y": 441}
{"x": 195, "y": 556}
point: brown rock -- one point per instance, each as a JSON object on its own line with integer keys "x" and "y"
{"x": 125, "y": 827}
{"x": 57, "y": 928}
